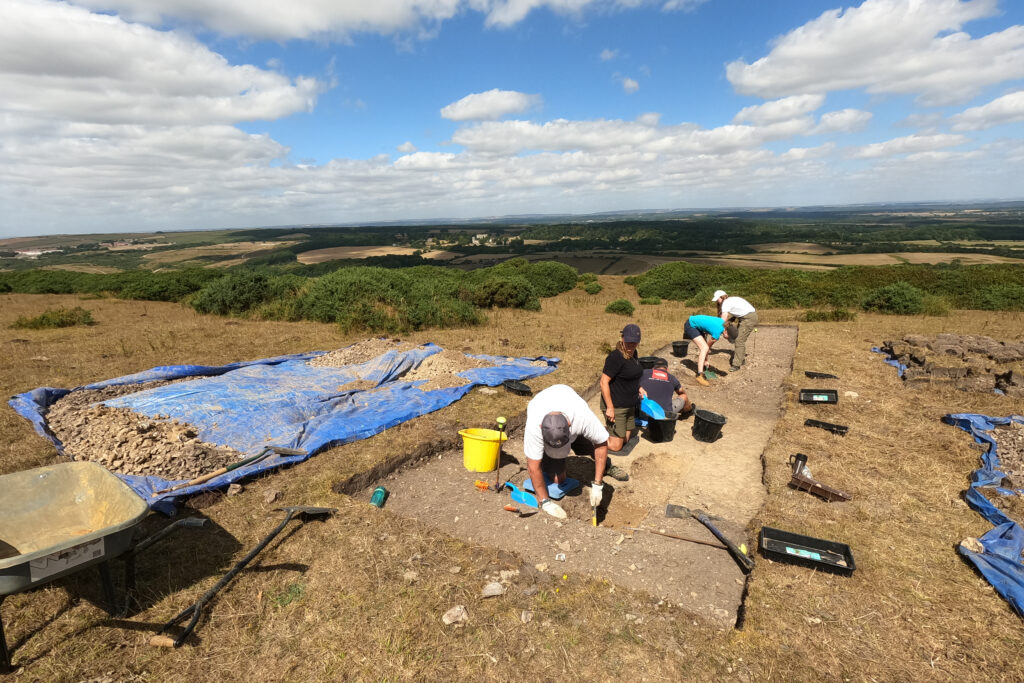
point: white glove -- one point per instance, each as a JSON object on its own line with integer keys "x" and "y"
{"x": 552, "y": 508}
{"x": 596, "y": 494}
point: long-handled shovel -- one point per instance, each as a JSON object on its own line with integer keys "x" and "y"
{"x": 745, "y": 562}
{"x": 195, "y": 610}
{"x": 233, "y": 466}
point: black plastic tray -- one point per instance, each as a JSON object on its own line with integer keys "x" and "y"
{"x": 806, "y": 551}
{"x": 819, "y": 396}
{"x": 841, "y": 430}
{"x": 517, "y": 387}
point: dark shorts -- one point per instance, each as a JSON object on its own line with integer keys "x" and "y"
{"x": 553, "y": 466}
{"x": 691, "y": 332}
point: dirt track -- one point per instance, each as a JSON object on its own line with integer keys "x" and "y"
{"x": 723, "y": 478}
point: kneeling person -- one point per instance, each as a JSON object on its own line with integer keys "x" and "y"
{"x": 664, "y": 388}
{"x": 559, "y": 420}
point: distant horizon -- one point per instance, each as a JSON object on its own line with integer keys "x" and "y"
{"x": 133, "y": 116}
{"x": 554, "y": 217}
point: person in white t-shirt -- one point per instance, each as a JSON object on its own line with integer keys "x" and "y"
{"x": 740, "y": 310}
{"x": 559, "y": 420}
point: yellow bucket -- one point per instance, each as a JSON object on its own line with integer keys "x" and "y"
{"x": 480, "y": 449}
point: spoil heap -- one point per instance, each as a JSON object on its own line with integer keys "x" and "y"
{"x": 970, "y": 362}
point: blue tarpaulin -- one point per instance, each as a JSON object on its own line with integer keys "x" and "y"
{"x": 283, "y": 402}
{"x": 1000, "y": 561}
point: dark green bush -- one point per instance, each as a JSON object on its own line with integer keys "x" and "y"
{"x": 4, "y": 287}
{"x": 650, "y": 301}
{"x": 586, "y": 278}
{"x": 505, "y": 291}
{"x": 233, "y": 294}
{"x": 1006, "y": 297}
{"x": 836, "y": 315}
{"x": 620, "y": 307}
{"x": 55, "y": 317}
{"x": 899, "y": 298}
{"x": 592, "y": 287}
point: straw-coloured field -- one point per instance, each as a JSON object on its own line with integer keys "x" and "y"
{"x": 361, "y": 596}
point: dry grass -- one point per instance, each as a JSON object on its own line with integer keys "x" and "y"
{"x": 872, "y": 259}
{"x": 334, "y": 253}
{"x": 330, "y": 601}
{"x": 799, "y": 247}
{"x": 225, "y": 249}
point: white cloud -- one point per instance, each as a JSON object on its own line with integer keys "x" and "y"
{"x": 803, "y": 153}
{"x": 608, "y": 55}
{"x": 791, "y": 107}
{"x": 275, "y": 20}
{"x": 406, "y": 148}
{"x": 63, "y": 63}
{"x": 629, "y": 85}
{"x": 1006, "y": 109}
{"x": 888, "y": 46}
{"x": 911, "y": 144}
{"x": 490, "y": 105}
{"x": 843, "y": 121}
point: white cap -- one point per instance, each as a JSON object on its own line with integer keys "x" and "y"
{"x": 718, "y": 295}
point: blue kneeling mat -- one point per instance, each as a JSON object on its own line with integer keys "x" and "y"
{"x": 555, "y": 491}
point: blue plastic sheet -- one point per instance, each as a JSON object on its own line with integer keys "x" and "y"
{"x": 1000, "y": 562}
{"x": 282, "y": 402}
{"x": 891, "y": 361}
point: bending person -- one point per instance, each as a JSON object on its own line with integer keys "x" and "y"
{"x": 620, "y": 388}
{"x": 704, "y": 330}
{"x": 558, "y": 420}
{"x": 740, "y": 310}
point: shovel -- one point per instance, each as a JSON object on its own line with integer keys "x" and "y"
{"x": 652, "y": 408}
{"x": 280, "y": 450}
{"x": 745, "y": 562}
{"x": 195, "y": 610}
{"x": 522, "y": 497}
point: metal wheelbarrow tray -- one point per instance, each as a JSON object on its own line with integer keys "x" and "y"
{"x": 58, "y": 520}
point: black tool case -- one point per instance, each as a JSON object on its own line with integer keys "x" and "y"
{"x": 806, "y": 551}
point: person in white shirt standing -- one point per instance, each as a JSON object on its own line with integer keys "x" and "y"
{"x": 559, "y": 420}
{"x": 740, "y": 310}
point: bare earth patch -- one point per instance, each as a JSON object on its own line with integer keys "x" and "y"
{"x": 723, "y": 478}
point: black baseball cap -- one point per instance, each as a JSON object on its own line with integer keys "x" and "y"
{"x": 631, "y": 333}
{"x": 555, "y": 430}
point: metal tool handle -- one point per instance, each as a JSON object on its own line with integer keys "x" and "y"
{"x": 746, "y": 562}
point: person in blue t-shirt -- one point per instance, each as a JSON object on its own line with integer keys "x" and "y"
{"x": 705, "y": 330}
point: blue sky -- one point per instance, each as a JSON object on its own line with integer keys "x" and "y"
{"x": 121, "y": 115}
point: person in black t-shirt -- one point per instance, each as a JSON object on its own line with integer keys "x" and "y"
{"x": 664, "y": 388}
{"x": 620, "y": 388}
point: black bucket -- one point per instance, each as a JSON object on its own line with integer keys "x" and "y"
{"x": 707, "y": 426}
{"x": 648, "y": 362}
{"x": 680, "y": 348}
{"x": 662, "y": 431}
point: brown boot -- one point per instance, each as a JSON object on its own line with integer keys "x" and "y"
{"x": 701, "y": 381}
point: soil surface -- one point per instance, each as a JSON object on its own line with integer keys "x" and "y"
{"x": 723, "y": 478}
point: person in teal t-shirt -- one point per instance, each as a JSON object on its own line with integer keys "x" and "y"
{"x": 705, "y": 330}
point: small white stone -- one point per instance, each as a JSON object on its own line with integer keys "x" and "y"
{"x": 456, "y": 615}
{"x": 492, "y": 590}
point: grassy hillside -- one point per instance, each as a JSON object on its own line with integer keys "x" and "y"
{"x": 333, "y": 601}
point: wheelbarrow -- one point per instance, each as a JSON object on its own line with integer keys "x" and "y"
{"x": 61, "y": 519}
